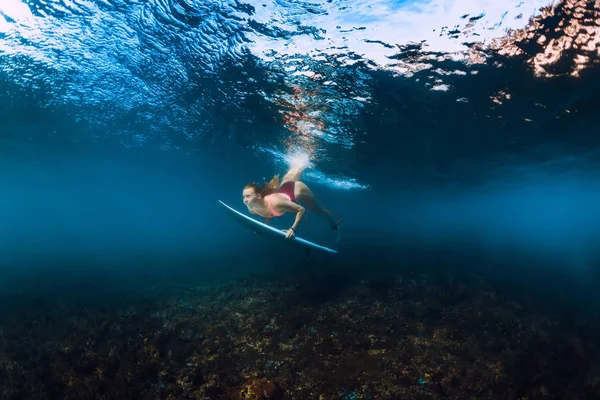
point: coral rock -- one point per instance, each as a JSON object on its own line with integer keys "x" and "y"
{"x": 258, "y": 389}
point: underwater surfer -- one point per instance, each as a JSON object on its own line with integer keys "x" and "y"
{"x": 274, "y": 199}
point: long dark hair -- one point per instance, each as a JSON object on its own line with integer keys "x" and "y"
{"x": 266, "y": 189}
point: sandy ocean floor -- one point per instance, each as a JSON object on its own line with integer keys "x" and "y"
{"x": 300, "y": 335}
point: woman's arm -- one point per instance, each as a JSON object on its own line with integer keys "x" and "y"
{"x": 289, "y": 206}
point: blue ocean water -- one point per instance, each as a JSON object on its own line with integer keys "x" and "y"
{"x": 124, "y": 121}
{"x": 450, "y": 135}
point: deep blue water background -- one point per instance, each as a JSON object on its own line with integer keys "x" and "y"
{"x": 113, "y": 158}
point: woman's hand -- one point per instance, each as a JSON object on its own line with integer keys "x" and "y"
{"x": 289, "y": 233}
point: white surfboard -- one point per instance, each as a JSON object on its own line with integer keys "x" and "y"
{"x": 259, "y": 227}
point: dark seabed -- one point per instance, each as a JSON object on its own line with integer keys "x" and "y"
{"x": 458, "y": 141}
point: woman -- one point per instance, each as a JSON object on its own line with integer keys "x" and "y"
{"x": 274, "y": 200}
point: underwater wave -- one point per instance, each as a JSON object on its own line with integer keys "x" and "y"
{"x": 275, "y": 76}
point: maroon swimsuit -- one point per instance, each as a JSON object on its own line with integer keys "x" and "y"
{"x": 288, "y": 188}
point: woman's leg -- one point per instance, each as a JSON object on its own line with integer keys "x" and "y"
{"x": 294, "y": 174}
{"x": 305, "y": 196}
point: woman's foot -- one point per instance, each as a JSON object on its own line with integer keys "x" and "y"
{"x": 336, "y": 225}
{"x": 336, "y": 228}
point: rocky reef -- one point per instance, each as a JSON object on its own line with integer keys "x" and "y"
{"x": 305, "y": 335}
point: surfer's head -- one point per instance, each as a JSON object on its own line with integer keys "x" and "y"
{"x": 253, "y": 192}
